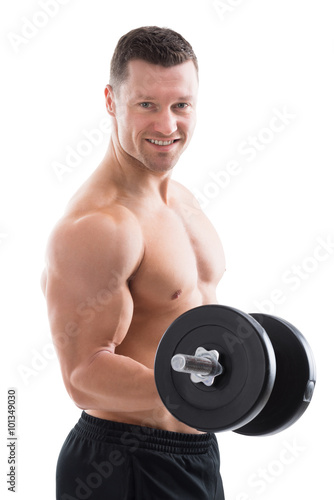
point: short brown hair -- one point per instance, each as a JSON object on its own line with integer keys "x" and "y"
{"x": 154, "y": 45}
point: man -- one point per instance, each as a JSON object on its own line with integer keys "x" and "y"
{"x": 133, "y": 252}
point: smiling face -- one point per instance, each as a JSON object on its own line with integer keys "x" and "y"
{"x": 155, "y": 112}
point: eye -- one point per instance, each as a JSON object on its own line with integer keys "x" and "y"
{"x": 182, "y": 105}
{"x": 145, "y": 105}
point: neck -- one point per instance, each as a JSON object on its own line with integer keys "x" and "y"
{"x": 131, "y": 176}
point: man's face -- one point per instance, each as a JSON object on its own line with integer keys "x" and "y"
{"x": 155, "y": 111}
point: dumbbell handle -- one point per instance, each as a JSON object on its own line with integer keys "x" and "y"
{"x": 203, "y": 367}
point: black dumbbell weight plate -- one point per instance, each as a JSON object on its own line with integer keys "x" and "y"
{"x": 246, "y": 354}
{"x": 294, "y": 383}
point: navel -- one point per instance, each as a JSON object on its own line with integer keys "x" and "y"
{"x": 176, "y": 295}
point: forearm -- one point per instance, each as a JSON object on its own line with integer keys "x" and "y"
{"x": 114, "y": 383}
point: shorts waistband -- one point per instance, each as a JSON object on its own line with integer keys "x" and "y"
{"x": 138, "y": 437}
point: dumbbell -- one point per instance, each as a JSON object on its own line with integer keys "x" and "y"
{"x": 217, "y": 369}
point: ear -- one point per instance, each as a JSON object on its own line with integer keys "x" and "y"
{"x": 110, "y": 100}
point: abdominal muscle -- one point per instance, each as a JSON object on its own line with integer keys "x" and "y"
{"x": 141, "y": 344}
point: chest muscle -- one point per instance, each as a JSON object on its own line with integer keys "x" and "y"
{"x": 179, "y": 259}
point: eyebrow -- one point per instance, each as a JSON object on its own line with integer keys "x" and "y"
{"x": 150, "y": 98}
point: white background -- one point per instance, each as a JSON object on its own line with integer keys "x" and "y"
{"x": 256, "y": 56}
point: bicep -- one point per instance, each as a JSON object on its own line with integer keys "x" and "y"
{"x": 89, "y": 303}
{"x": 87, "y": 315}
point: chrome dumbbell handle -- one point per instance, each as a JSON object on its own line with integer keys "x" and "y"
{"x": 203, "y": 366}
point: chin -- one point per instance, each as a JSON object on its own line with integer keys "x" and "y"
{"x": 160, "y": 166}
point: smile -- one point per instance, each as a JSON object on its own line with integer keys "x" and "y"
{"x": 162, "y": 143}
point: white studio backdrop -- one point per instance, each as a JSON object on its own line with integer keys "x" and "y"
{"x": 260, "y": 164}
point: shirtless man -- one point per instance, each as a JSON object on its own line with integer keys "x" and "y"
{"x": 132, "y": 252}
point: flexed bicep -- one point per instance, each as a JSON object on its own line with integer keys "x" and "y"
{"x": 89, "y": 303}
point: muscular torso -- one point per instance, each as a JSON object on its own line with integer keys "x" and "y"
{"x": 180, "y": 267}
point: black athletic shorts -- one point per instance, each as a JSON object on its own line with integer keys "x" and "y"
{"x": 104, "y": 460}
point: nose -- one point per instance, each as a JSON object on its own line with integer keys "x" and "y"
{"x": 165, "y": 122}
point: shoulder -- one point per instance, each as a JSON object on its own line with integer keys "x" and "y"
{"x": 96, "y": 226}
{"x": 180, "y": 192}
{"x": 96, "y": 237}
{"x": 185, "y": 200}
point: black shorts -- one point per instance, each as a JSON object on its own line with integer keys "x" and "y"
{"x": 104, "y": 460}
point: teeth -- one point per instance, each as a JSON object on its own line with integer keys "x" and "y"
{"x": 161, "y": 143}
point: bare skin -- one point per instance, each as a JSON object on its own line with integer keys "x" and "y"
{"x": 132, "y": 252}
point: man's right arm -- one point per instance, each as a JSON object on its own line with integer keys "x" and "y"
{"x": 89, "y": 263}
